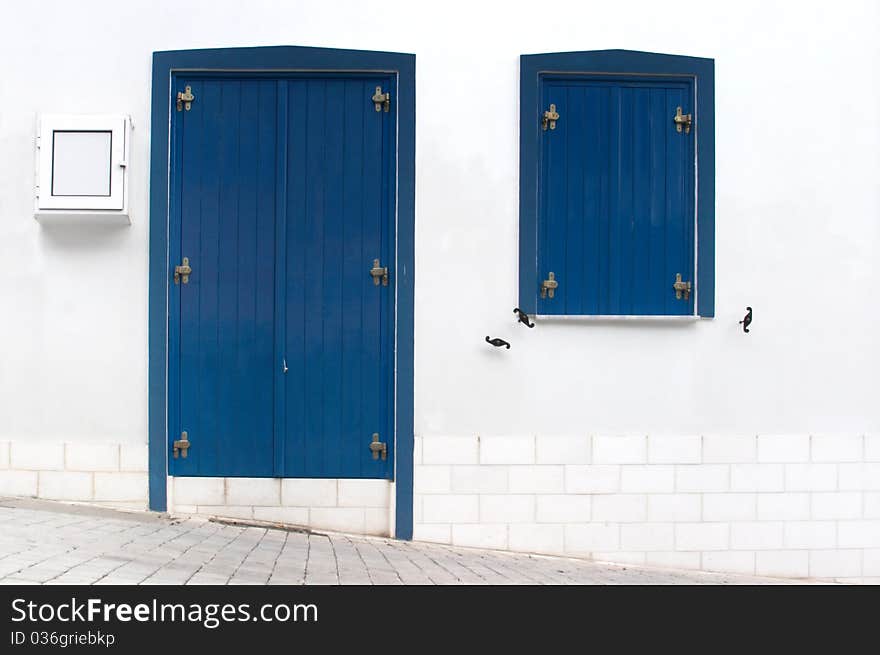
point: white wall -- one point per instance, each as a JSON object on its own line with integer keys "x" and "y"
{"x": 779, "y": 505}
{"x": 797, "y": 219}
{"x": 798, "y": 202}
{"x": 358, "y": 506}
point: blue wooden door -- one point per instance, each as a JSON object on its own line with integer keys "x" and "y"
{"x": 221, "y": 338}
{"x": 338, "y": 324}
{"x": 280, "y": 343}
{"x": 617, "y": 180}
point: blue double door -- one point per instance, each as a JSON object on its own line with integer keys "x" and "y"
{"x": 281, "y": 328}
{"x": 617, "y": 195}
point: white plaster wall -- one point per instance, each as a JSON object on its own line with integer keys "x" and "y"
{"x": 798, "y": 203}
{"x": 797, "y": 220}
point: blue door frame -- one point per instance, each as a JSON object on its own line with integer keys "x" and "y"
{"x": 277, "y": 60}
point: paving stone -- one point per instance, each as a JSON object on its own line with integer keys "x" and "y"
{"x": 51, "y": 543}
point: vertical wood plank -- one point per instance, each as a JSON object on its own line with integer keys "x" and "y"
{"x": 619, "y": 176}
{"x": 606, "y": 172}
{"x": 659, "y": 129}
{"x": 296, "y": 311}
{"x": 248, "y": 371}
{"x": 331, "y": 306}
{"x": 641, "y": 297}
{"x": 224, "y": 371}
{"x": 355, "y": 279}
{"x": 592, "y": 182}
{"x": 206, "y": 275}
{"x": 576, "y": 156}
{"x": 313, "y": 256}
{"x": 266, "y": 368}
{"x": 279, "y": 267}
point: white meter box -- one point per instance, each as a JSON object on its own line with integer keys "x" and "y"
{"x": 82, "y": 166}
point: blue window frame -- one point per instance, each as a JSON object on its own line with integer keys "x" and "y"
{"x": 617, "y": 186}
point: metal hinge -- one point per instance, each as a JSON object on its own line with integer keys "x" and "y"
{"x": 549, "y": 118}
{"x": 681, "y": 288}
{"x": 181, "y": 446}
{"x": 379, "y": 274}
{"x": 548, "y": 286}
{"x": 378, "y": 447}
{"x": 182, "y": 271}
{"x": 382, "y": 100}
{"x": 682, "y": 119}
{"x": 185, "y": 99}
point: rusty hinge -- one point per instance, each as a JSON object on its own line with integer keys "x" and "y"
{"x": 549, "y": 286}
{"x": 682, "y": 119}
{"x": 681, "y": 288}
{"x": 182, "y": 271}
{"x": 549, "y": 118}
{"x": 379, "y": 274}
{"x": 378, "y": 447}
{"x": 185, "y": 99}
{"x": 181, "y": 446}
{"x": 382, "y": 100}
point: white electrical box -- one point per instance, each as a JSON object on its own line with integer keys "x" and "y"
{"x": 82, "y": 167}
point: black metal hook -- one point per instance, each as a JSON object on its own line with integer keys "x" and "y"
{"x": 523, "y": 317}
{"x": 747, "y": 320}
{"x": 497, "y": 342}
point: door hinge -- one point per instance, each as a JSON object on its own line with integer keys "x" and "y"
{"x": 181, "y": 446}
{"x": 378, "y": 447}
{"x": 382, "y": 100}
{"x": 379, "y": 274}
{"x": 182, "y": 271}
{"x": 682, "y": 119}
{"x": 549, "y": 118}
{"x": 681, "y": 288}
{"x": 548, "y": 286}
{"x": 185, "y": 99}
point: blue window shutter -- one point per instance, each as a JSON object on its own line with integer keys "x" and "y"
{"x": 608, "y": 196}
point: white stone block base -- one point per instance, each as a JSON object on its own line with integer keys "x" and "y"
{"x": 356, "y": 506}
{"x": 104, "y": 473}
{"x": 792, "y": 506}
{"x": 111, "y": 474}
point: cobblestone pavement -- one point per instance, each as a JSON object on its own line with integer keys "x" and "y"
{"x": 52, "y": 543}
